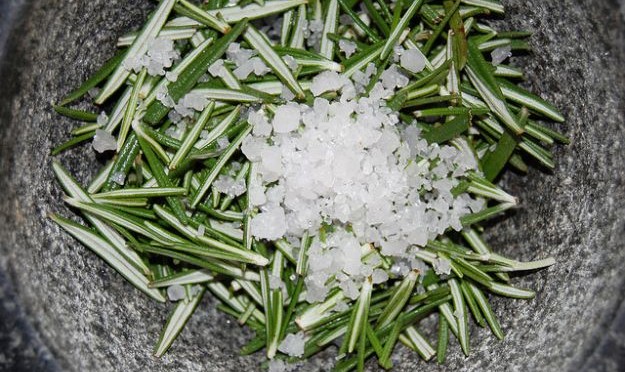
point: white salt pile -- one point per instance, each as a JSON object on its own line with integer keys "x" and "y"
{"x": 351, "y": 168}
{"x": 103, "y": 141}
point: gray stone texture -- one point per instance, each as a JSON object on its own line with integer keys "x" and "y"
{"x": 70, "y": 311}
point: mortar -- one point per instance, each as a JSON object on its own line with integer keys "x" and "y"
{"x": 64, "y": 309}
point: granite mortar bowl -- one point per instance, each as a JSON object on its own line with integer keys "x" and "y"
{"x": 89, "y": 319}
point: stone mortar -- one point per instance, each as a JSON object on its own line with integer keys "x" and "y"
{"x": 83, "y": 316}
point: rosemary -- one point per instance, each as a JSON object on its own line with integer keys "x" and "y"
{"x": 158, "y": 214}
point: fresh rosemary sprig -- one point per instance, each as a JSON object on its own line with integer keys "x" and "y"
{"x": 155, "y": 214}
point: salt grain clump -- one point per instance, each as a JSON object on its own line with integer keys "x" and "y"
{"x": 160, "y": 55}
{"x": 229, "y": 186}
{"x": 103, "y": 141}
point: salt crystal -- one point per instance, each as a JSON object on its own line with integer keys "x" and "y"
{"x": 393, "y": 78}
{"x": 347, "y": 47}
{"x": 442, "y": 266}
{"x": 287, "y": 94}
{"x": 290, "y": 61}
{"x": 222, "y": 142}
{"x": 119, "y": 178}
{"x": 325, "y": 82}
{"x": 102, "y": 119}
{"x": 286, "y": 118}
{"x": 275, "y": 282}
{"x": 293, "y": 344}
{"x": 412, "y": 60}
{"x": 93, "y": 92}
{"x": 176, "y": 292}
{"x": 103, "y": 141}
{"x": 171, "y": 76}
{"x": 269, "y": 224}
{"x": 500, "y": 54}
{"x": 229, "y": 186}
{"x": 217, "y": 68}
{"x": 277, "y": 365}
{"x": 379, "y": 276}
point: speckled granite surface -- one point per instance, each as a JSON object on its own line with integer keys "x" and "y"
{"x": 89, "y": 319}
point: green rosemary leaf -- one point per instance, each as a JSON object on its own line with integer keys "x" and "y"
{"x": 470, "y": 300}
{"x": 482, "y": 187}
{"x": 443, "y": 340}
{"x": 330, "y": 24}
{"x": 509, "y": 291}
{"x": 531, "y": 101}
{"x": 131, "y": 107}
{"x": 139, "y": 46}
{"x": 95, "y": 79}
{"x": 461, "y": 315}
{"x": 485, "y": 214}
{"x": 419, "y": 343}
{"x": 105, "y": 250}
{"x": 225, "y": 156}
{"x": 360, "y": 315}
{"x": 75, "y": 113}
{"x": 448, "y": 130}
{"x": 182, "y": 33}
{"x": 480, "y": 75}
{"x": 183, "y": 278}
{"x": 235, "y": 14}
{"x": 100, "y": 178}
{"x": 297, "y": 38}
{"x": 492, "y": 5}
{"x": 88, "y": 128}
{"x": 176, "y": 322}
{"x": 398, "y": 301}
{"x": 71, "y": 143}
{"x": 153, "y": 192}
{"x": 191, "y": 137}
{"x": 189, "y": 76}
{"x": 401, "y": 26}
{"x": 314, "y": 315}
{"x": 123, "y": 162}
{"x": 163, "y": 181}
{"x": 275, "y": 307}
{"x": 273, "y": 60}
{"x": 482, "y": 302}
{"x": 377, "y": 18}
{"x": 193, "y": 11}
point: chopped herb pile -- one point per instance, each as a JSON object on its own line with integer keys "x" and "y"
{"x": 323, "y": 167}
